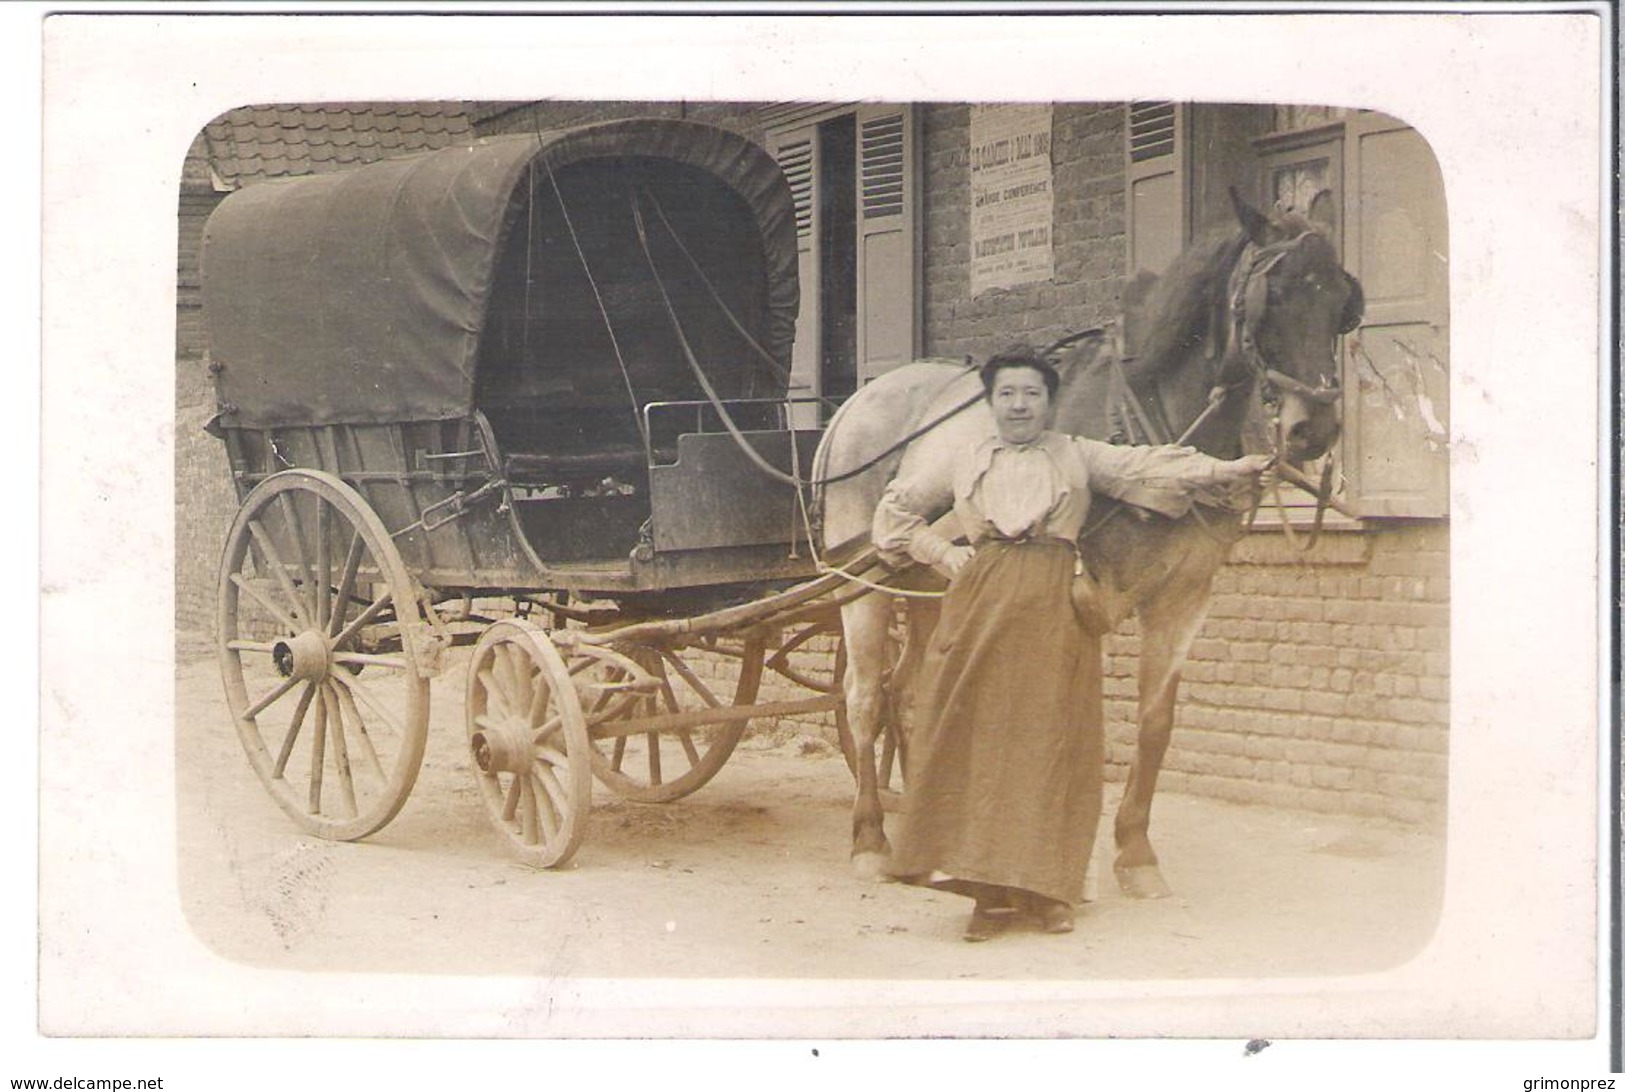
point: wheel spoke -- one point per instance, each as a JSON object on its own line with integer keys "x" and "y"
{"x": 510, "y": 805}
{"x": 547, "y": 805}
{"x": 619, "y": 755}
{"x": 291, "y": 512}
{"x": 502, "y": 678}
{"x": 540, "y": 692}
{"x": 689, "y": 749}
{"x": 294, "y": 725}
{"x": 318, "y": 758}
{"x": 527, "y": 809}
{"x": 276, "y": 692}
{"x": 552, "y": 756}
{"x": 393, "y": 663}
{"x": 556, "y": 797}
{"x": 683, "y": 735}
{"x": 654, "y": 757}
{"x": 518, "y": 667}
{"x": 358, "y": 689}
{"x": 348, "y": 633}
{"x": 273, "y": 561}
{"x": 352, "y": 715}
{"x": 546, "y": 729}
{"x": 691, "y": 679}
{"x": 528, "y": 678}
{"x": 341, "y": 751}
{"x": 493, "y": 689}
{"x": 324, "y": 569}
{"x": 341, "y": 599}
{"x": 253, "y": 593}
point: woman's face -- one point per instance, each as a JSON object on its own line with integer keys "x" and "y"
{"x": 1020, "y": 402}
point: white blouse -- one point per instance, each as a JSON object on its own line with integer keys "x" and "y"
{"x": 1002, "y": 490}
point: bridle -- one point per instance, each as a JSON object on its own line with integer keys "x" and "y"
{"x": 1248, "y": 298}
{"x": 1249, "y": 276}
{"x": 1251, "y": 273}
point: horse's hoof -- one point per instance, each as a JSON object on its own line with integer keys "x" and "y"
{"x": 870, "y": 865}
{"x": 1143, "y": 882}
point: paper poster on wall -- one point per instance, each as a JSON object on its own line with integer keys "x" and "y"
{"x": 1012, "y": 199}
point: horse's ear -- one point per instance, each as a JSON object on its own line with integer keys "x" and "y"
{"x": 1323, "y": 213}
{"x": 1253, "y": 222}
{"x": 1354, "y": 309}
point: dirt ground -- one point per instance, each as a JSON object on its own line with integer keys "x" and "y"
{"x": 749, "y": 878}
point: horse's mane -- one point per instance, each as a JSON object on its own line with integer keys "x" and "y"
{"x": 1186, "y": 305}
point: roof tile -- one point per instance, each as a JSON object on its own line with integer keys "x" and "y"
{"x": 288, "y": 138}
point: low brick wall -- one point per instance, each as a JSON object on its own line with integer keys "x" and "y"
{"x": 1318, "y": 681}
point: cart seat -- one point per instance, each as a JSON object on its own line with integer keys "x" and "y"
{"x": 527, "y": 467}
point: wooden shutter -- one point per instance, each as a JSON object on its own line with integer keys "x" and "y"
{"x": 888, "y": 180}
{"x": 797, "y": 153}
{"x": 1157, "y": 226}
{"x": 1396, "y": 413}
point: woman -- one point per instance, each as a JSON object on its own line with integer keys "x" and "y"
{"x": 1004, "y": 787}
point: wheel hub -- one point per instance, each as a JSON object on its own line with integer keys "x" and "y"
{"x": 305, "y": 656}
{"x": 505, "y": 749}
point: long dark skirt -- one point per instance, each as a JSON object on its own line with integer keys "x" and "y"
{"x": 1004, "y": 781}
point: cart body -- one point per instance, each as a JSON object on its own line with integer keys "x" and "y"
{"x": 478, "y": 340}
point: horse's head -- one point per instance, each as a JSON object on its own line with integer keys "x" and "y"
{"x": 1289, "y": 300}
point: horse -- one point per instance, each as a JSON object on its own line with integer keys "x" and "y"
{"x": 1234, "y": 346}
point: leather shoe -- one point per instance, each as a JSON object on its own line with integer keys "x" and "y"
{"x": 983, "y": 924}
{"x": 1056, "y": 918}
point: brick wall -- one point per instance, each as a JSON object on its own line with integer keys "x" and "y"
{"x": 1319, "y": 680}
{"x": 1086, "y": 151}
{"x": 205, "y": 500}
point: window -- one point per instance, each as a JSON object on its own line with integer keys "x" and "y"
{"x": 1390, "y": 230}
{"x": 853, "y": 171}
{"x": 1391, "y": 233}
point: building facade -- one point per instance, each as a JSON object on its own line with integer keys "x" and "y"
{"x": 1321, "y": 678}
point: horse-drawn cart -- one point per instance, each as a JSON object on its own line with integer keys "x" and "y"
{"x": 529, "y": 395}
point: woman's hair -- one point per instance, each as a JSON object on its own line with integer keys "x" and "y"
{"x": 1019, "y": 356}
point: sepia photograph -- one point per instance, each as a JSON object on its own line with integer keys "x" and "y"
{"x": 608, "y": 432}
{"x": 800, "y": 551}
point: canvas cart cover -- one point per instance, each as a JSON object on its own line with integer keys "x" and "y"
{"x": 359, "y": 296}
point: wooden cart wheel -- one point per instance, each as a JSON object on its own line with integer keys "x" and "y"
{"x": 312, "y": 589}
{"x": 655, "y": 767}
{"x": 529, "y": 742}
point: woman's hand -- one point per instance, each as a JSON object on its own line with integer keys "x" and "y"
{"x": 1248, "y": 466}
{"x": 955, "y": 559}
